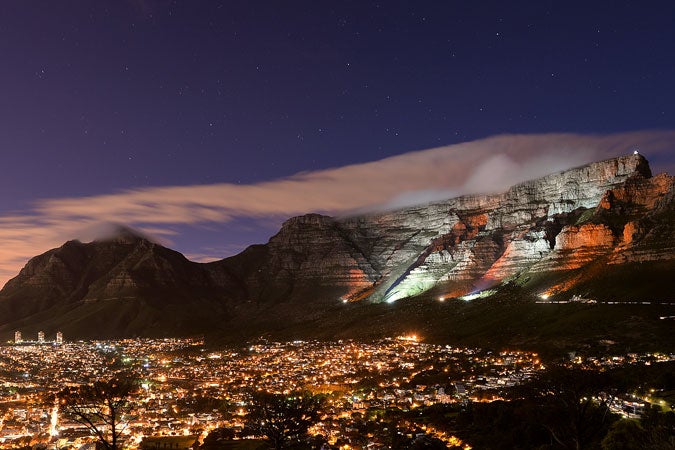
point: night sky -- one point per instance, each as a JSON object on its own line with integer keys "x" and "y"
{"x": 192, "y": 120}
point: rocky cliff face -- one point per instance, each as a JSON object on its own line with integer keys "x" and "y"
{"x": 548, "y": 235}
{"x": 560, "y": 222}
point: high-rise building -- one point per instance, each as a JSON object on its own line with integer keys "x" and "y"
{"x": 41, "y": 337}
{"x": 59, "y": 337}
{"x": 17, "y": 337}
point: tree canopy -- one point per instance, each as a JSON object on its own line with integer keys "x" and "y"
{"x": 101, "y": 407}
{"x": 282, "y": 419}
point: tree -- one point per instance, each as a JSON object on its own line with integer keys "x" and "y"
{"x": 660, "y": 428}
{"x": 100, "y": 407}
{"x": 573, "y": 406}
{"x": 214, "y": 439}
{"x": 282, "y": 419}
{"x": 625, "y": 435}
{"x": 654, "y": 431}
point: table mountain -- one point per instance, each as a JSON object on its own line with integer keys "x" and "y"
{"x": 596, "y": 231}
{"x": 610, "y": 210}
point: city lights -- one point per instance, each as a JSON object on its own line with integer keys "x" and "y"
{"x": 174, "y": 374}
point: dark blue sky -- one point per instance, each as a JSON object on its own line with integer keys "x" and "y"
{"x": 101, "y": 96}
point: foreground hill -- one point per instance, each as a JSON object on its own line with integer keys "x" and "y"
{"x": 603, "y": 231}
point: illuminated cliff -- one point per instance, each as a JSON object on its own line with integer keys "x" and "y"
{"x": 592, "y": 231}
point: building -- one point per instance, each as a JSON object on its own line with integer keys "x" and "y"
{"x": 41, "y": 337}
{"x": 59, "y": 337}
{"x": 17, "y": 337}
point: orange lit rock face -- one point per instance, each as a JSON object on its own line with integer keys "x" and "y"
{"x": 477, "y": 221}
{"x": 638, "y": 193}
{"x": 589, "y": 236}
{"x": 630, "y": 230}
{"x": 650, "y": 234}
{"x": 576, "y": 246}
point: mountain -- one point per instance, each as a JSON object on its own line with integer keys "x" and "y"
{"x": 612, "y": 211}
{"x": 603, "y": 231}
{"x": 121, "y": 286}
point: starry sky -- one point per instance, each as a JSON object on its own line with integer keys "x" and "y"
{"x": 206, "y": 124}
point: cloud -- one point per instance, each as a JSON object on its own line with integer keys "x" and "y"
{"x": 485, "y": 165}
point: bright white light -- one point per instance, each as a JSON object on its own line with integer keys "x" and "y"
{"x": 441, "y": 299}
{"x": 393, "y": 296}
{"x": 344, "y": 300}
{"x": 636, "y": 152}
{"x": 54, "y": 420}
{"x": 481, "y": 294}
{"x": 544, "y": 296}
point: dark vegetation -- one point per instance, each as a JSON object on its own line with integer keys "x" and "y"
{"x": 101, "y": 407}
{"x": 508, "y": 319}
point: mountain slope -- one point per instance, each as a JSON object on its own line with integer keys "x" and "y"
{"x": 125, "y": 286}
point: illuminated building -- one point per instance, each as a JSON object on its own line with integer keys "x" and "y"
{"x": 41, "y": 336}
{"x": 59, "y": 337}
{"x": 17, "y": 337}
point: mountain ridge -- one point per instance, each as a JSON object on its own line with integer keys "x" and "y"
{"x": 540, "y": 237}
